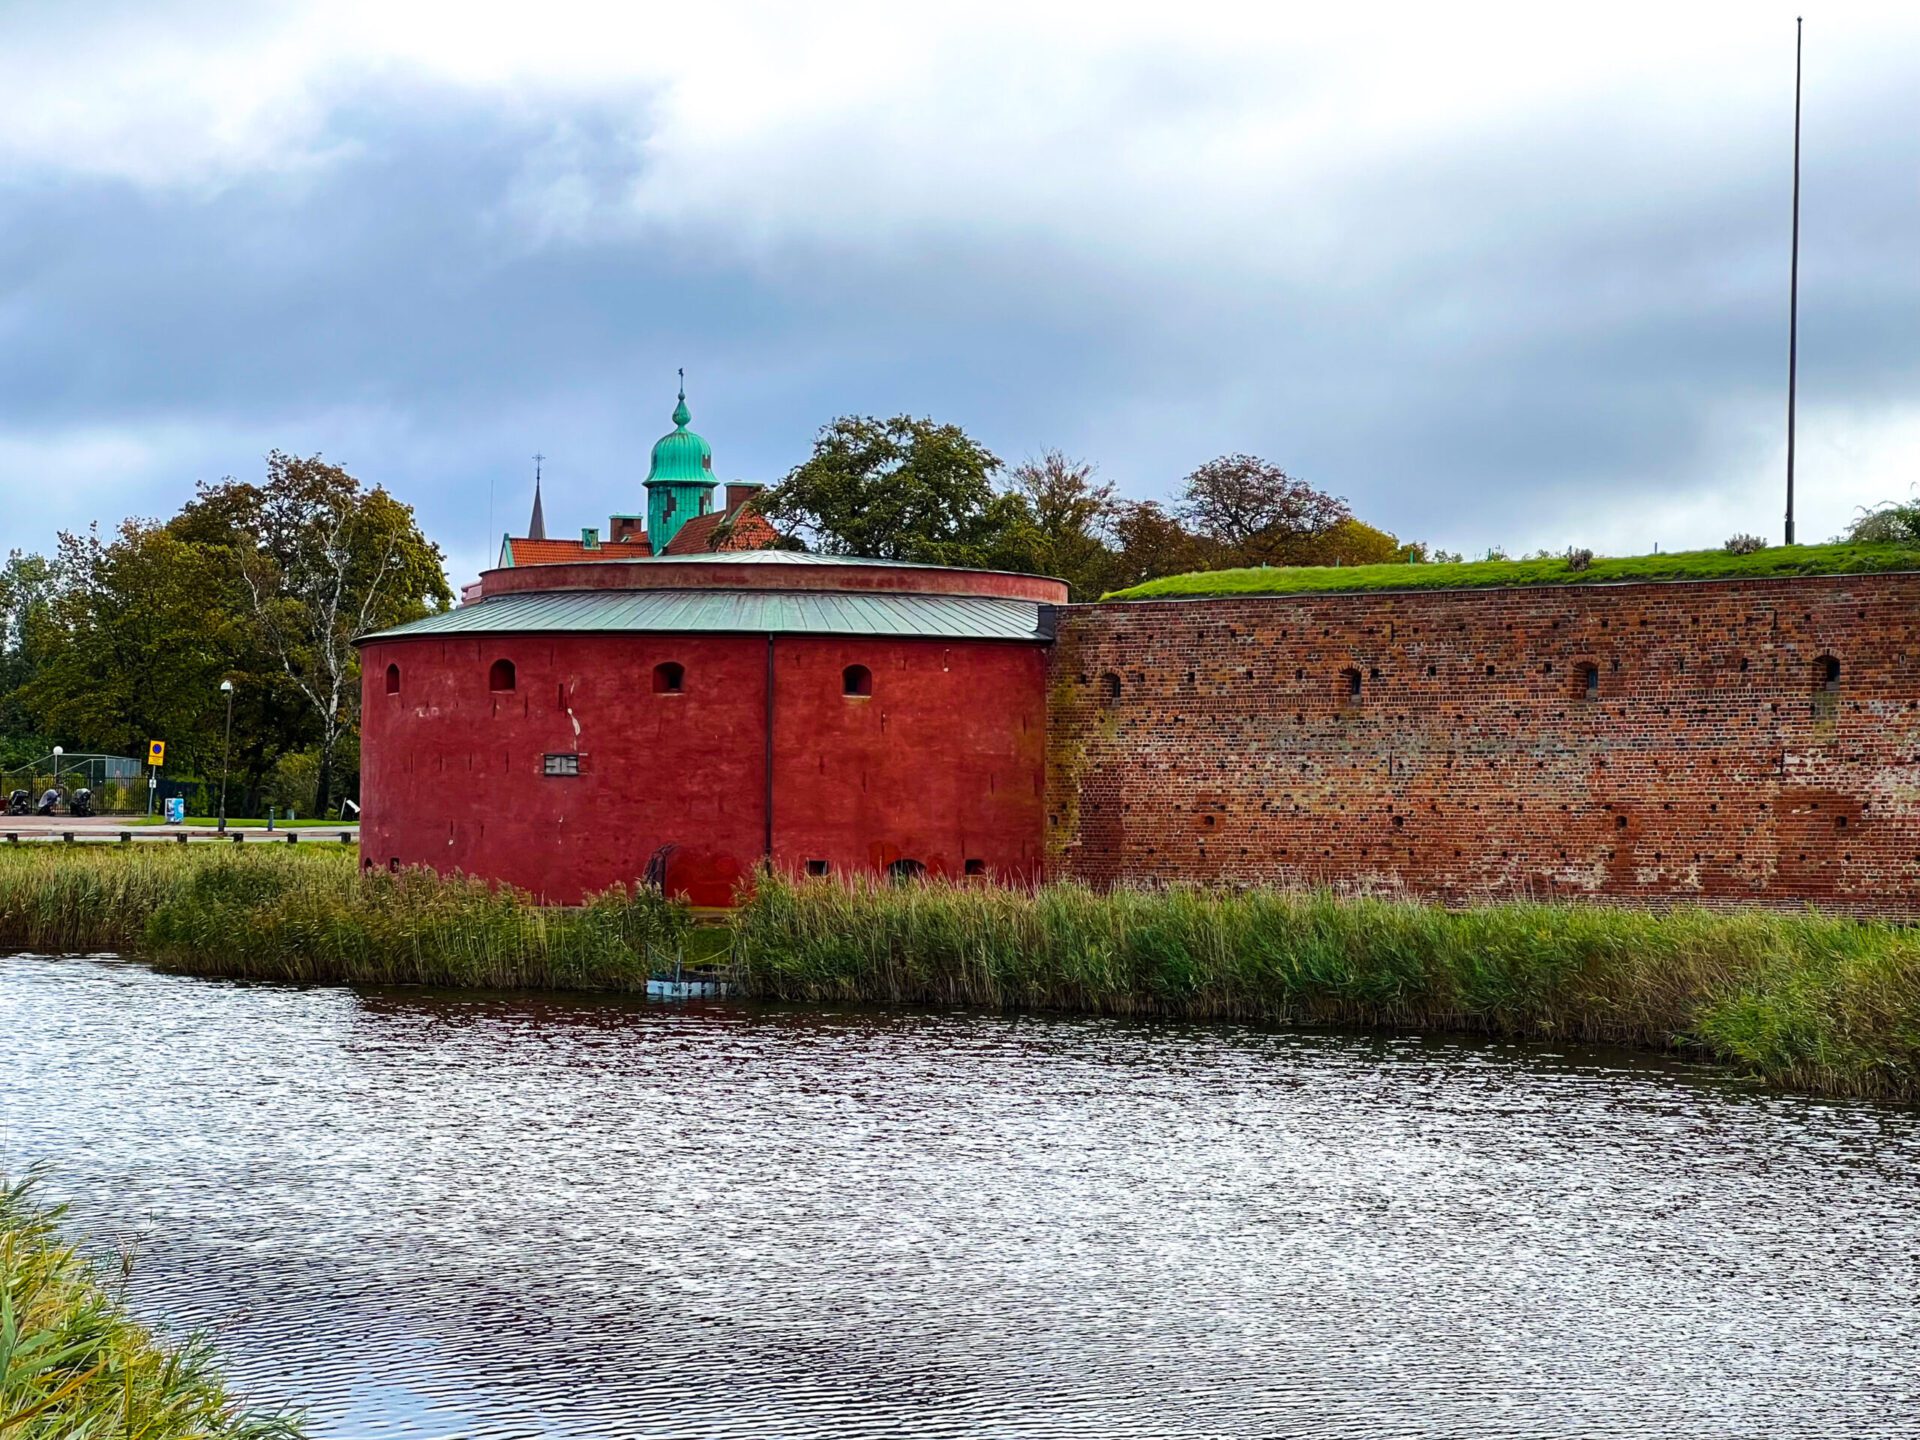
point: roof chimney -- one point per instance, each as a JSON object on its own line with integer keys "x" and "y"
{"x": 589, "y": 538}
{"x": 739, "y": 492}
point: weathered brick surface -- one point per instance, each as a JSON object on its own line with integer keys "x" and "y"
{"x": 1712, "y": 766}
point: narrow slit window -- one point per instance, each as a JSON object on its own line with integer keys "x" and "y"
{"x": 393, "y": 679}
{"x": 1350, "y": 687}
{"x": 1826, "y": 676}
{"x": 1110, "y": 688}
{"x": 500, "y": 679}
{"x": 856, "y": 680}
{"x": 1588, "y": 679}
{"x": 669, "y": 678}
{"x": 819, "y": 868}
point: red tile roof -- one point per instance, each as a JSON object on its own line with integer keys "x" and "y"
{"x": 561, "y": 552}
{"x": 745, "y": 529}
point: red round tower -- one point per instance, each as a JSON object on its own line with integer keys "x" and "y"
{"x": 698, "y": 714}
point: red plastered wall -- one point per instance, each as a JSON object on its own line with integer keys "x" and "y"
{"x": 943, "y": 763}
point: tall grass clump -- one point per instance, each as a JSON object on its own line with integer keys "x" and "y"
{"x": 1817, "y": 1002}
{"x": 307, "y": 914}
{"x": 74, "y": 1365}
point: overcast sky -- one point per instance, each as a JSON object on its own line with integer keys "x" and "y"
{"x": 1498, "y": 276}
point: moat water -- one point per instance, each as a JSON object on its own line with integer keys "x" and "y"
{"x": 430, "y": 1214}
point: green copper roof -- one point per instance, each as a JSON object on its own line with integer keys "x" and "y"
{"x": 681, "y": 457}
{"x": 755, "y": 612}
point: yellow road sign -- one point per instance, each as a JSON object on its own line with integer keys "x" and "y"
{"x": 156, "y": 752}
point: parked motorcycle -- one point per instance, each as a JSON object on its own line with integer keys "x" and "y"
{"x": 19, "y": 803}
{"x": 81, "y": 805}
{"x": 49, "y": 802}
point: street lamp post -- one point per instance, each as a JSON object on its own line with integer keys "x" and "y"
{"x": 226, "y": 750}
{"x": 59, "y": 752}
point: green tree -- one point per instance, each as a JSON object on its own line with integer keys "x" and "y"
{"x": 1149, "y": 543}
{"x": 898, "y": 489}
{"x": 1059, "y": 524}
{"x": 323, "y": 559}
{"x": 26, "y": 598}
{"x": 133, "y": 644}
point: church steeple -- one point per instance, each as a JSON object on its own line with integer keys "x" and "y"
{"x": 537, "y": 526}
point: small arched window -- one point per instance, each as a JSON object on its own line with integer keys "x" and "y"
{"x": 901, "y": 871}
{"x": 1826, "y": 676}
{"x": 669, "y": 678}
{"x": 500, "y": 677}
{"x": 1350, "y": 687}
{"x": 1110, "y": 688}
{"x": 856, "y": 680}
{"x": 1587, "y": 681}
{"x": 393, "y": 679}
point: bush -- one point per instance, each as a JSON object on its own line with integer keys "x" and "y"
{"x": 1744, "y": 545}
{"x": 1579, "y": 559}
{"x": 1891, "y": 523}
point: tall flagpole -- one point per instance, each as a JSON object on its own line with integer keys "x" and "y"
{"x": 1793, "y": 284}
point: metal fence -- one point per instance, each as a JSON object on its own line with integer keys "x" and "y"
{"x": 118, "y": 782}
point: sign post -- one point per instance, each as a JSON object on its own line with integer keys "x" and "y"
{"x": 156, "y": 757}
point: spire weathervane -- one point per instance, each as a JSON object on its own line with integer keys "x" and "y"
{"x": 537, "y": 524}
{"x": 681, "y": 415}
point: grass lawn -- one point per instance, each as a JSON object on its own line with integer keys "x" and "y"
{"x": 1782, "y": 560}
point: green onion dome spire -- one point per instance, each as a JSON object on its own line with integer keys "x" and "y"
{"x": 680, "y": 479}
{"x": 681, "y": 456}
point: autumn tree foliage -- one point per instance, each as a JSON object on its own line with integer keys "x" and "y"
{"x": 915, "y": 489}
{"x": 1249, "y": 511}
{"x": 321, "y": 559}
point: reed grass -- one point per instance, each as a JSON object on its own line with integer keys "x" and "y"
{"x": 74, "y": 1365}
{"x": 299, "y": 914}
{"x": 1818, "y": 1003}
{"x": 1810, "y": 1001}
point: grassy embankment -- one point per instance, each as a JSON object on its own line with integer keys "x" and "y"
{"x": 75, "y": 1366}
{"x": 1776, "y": 562}
{"x": 1803, "y": 1000}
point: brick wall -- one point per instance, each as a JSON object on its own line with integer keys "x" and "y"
{"x": 1457, "y": 744}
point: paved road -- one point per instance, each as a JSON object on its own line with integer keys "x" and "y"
{"x": 108, "y": 829}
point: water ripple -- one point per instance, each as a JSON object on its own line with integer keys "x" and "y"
{"x": 429, "y": 1215}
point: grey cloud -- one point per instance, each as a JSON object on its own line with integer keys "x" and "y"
{"x": 1471, "y": 342}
